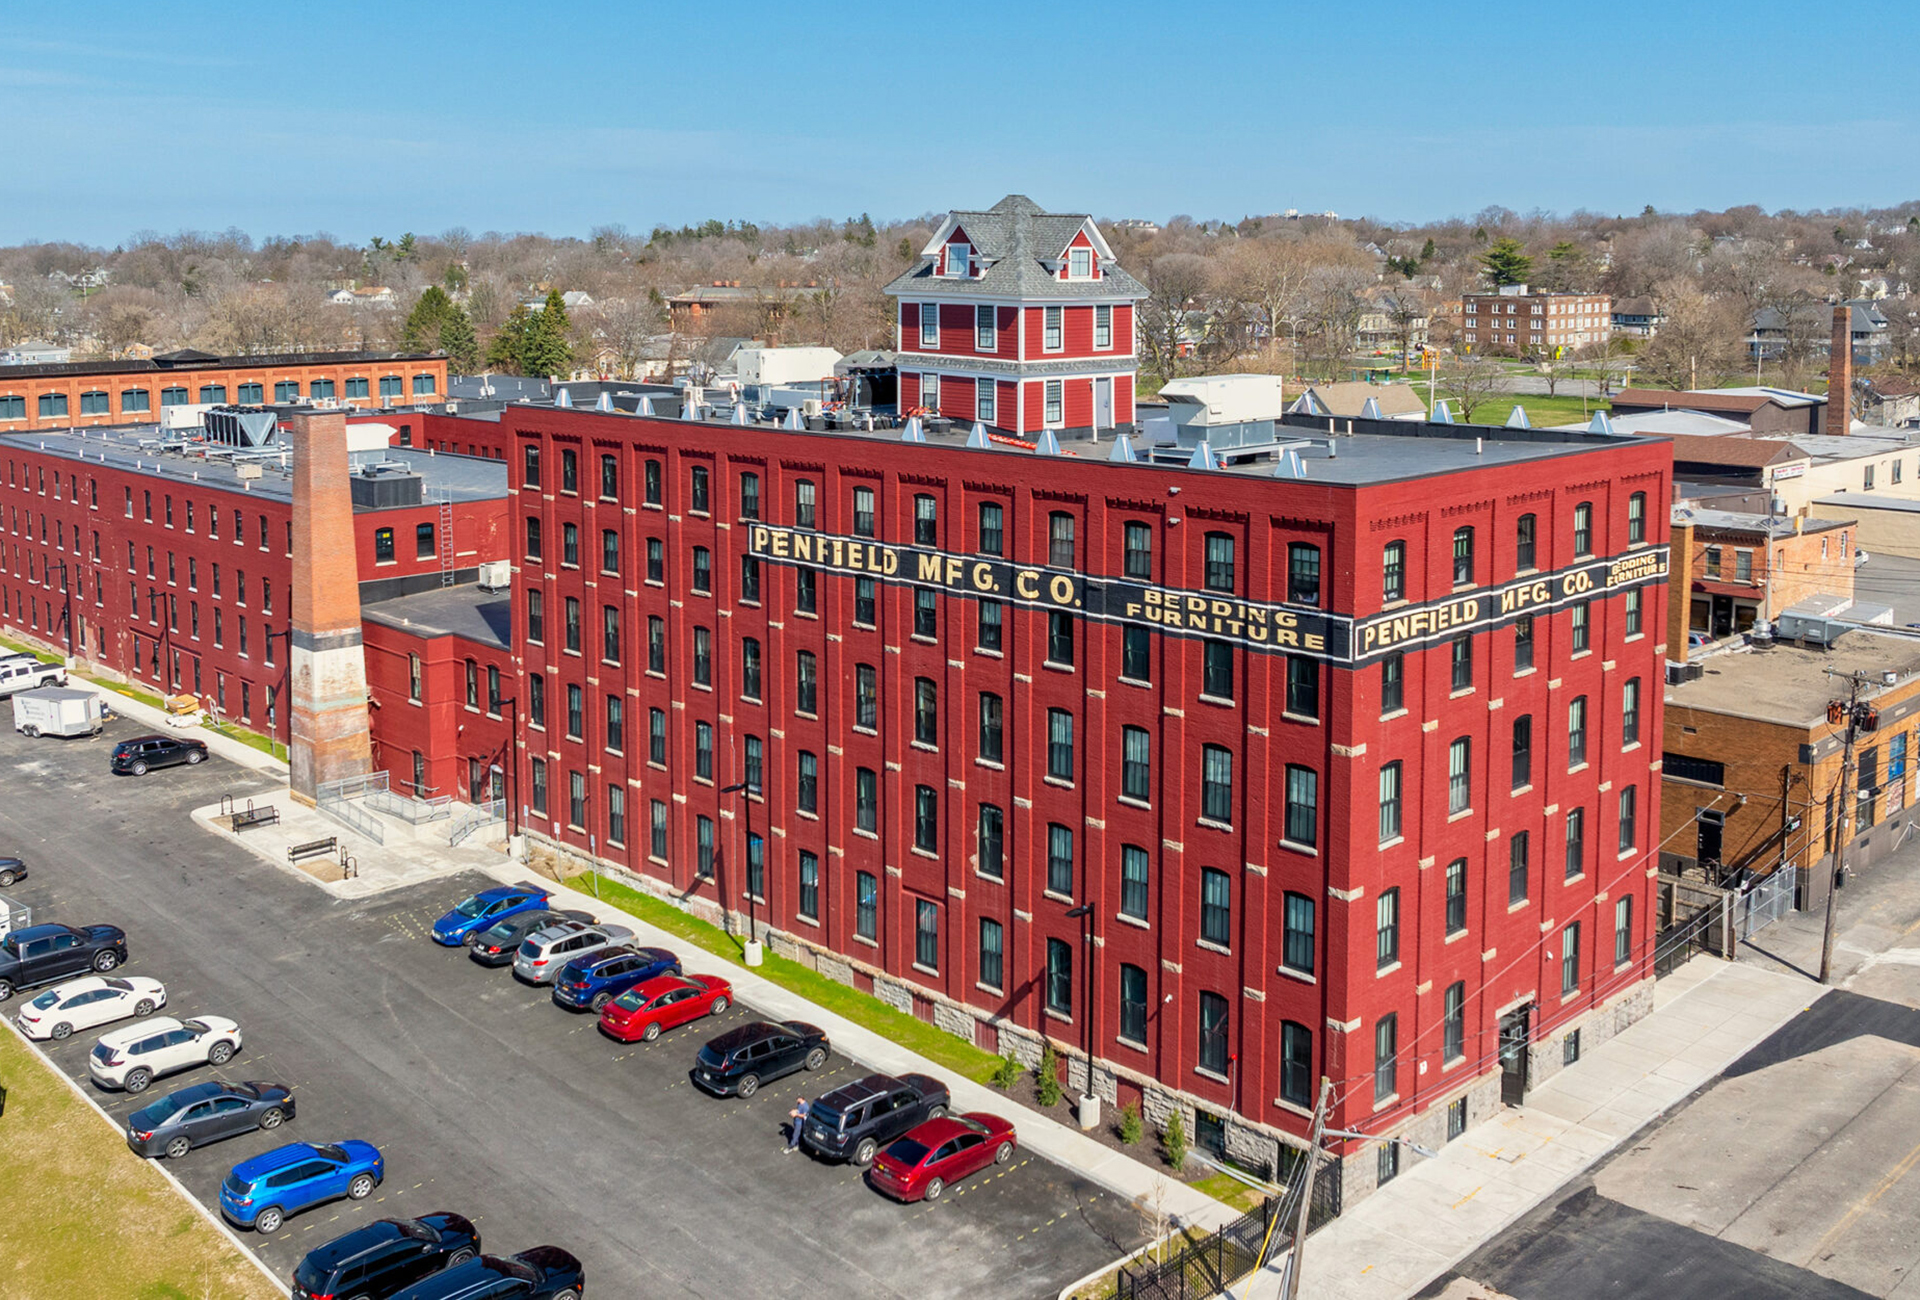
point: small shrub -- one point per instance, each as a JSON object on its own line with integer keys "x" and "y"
{"x": 1130, "y": 1125}
{"x": 1173, "y": 1139}
{"x": 1007, "y": 1073}
{"x": 1049, "y": 1076}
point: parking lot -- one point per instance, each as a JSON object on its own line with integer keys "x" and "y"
{"x": 486, "y": 1098}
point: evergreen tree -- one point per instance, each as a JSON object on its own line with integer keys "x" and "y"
{"x": 425, "y": 321}
{"x": 1506, "y": 262}
{"x": 1428, "y": 253}
{"x": 459, "y": 342}
{"x": 507, "y": 349}
{"x": 548, "y": 348}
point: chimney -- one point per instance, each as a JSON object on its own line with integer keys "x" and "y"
{"x": 1840, "y": 371}
{"x": 328, "y": 670}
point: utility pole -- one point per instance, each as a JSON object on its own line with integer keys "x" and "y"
{"x": 1306, "y": 1192}
{"x": 1854, "y": 714}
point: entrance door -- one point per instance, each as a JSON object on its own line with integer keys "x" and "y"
{"x": 1721, "y": 622}
{"x": 1513, "y": 1056}
{"x": 1102, "y": 404}
{"x": 1707, "y": 839}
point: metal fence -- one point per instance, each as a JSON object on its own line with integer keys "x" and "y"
{"x": 336, "y": 799}
{"x": 1770, "y": 899}
{"x": 1681, "y": 942}
{"x": 1206, "y": 1267}
{"x": 477, "y": 817}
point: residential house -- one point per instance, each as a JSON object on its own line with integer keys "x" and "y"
{"x": 1775, "y": 330}
{"x": 1639, "y": 318}
{"x": 1361, "y": 401}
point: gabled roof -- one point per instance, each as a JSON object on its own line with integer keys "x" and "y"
{"x": 1736, "y": 452}
{"x": 1017, "y": 240}
{"x": 1350, "y": 399}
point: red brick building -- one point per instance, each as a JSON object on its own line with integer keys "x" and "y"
{"x": 177, "y": 564}
{"x": 1019, "y": 319}
{"x": 1358, "y": 771}
{"x": 1515, "y": 322}
{"x": 83, "y": 394}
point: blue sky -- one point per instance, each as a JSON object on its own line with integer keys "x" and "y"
{"x": 361, "y": 118}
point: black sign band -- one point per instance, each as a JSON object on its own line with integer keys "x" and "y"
{"x": 1254, "y": 625}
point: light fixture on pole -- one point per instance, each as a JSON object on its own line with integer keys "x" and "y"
{"x": 1089, "y": 1099}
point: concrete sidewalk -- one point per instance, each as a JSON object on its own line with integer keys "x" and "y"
{"x": 1706, "y": 1016}
{"x": 1119, "y": 1174}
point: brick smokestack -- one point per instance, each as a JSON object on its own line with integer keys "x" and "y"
{"x": 1840, "y": 371}
{"x": 329, "y": 669}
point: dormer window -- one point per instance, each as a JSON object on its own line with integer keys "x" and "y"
{"x": 1079, "y": 264}
{"x": 958, "y": 258}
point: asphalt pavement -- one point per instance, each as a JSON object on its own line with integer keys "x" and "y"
{"x": 485, "y": 1097}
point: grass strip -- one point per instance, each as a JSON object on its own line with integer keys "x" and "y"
{"x": 80, "y": 1215}
{"x": 863, "y": 1009}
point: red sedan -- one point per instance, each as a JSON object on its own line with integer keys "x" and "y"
{"x": 664, "y": 1002}
{"x": 921, "y": 1165}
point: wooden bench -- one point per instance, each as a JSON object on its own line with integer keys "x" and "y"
{"x": 313, "y": 849}
{"x": 267, "y": 816}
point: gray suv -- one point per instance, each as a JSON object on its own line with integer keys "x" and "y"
{"x": 857, "y": 1119}
{"x": 545, "y": 951}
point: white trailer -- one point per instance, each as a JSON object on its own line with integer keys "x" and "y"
{"x": 13, "y": 916}
{"x": 57, "y": 711}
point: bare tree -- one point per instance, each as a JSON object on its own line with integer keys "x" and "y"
{"x": 1698, "y": 345}
{"x": 1177, "y": 284}
{"x": 1471, "y": 381}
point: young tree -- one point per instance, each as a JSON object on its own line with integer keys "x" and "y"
{"x": 1506, "y": 262}
{"x": 1471, "y": 381}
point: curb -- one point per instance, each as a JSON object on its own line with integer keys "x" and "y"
{"x": 246, "y": 1253}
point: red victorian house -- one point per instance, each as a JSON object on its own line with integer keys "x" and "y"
{"x": 1020, "y": 319}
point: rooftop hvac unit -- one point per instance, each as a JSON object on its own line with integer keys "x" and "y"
{"x": 246, "y": 471}
{"x": 496, "y": 575}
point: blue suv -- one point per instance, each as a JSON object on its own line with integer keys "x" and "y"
{"x": 599, "y": 977}
{"x": 483, "y": 911}
{"x": 260, "y": 1193}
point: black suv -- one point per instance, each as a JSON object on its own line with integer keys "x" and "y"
{"x": 543, "y": 1273}
{"x": 856, "y": 1119}
{"x": 740, "y": 1060}
{"x": 384, "y": 1258}
{"x": 142, "y": 752}
{"x": 41, "y": 954}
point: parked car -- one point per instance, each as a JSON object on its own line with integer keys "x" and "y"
{"x": 12, "y": 870}
{"x": 600, "y": 977}
{"x": 134, "y": 1057}
{"x": 41, "y": 954}
{"x": 1860, "y": 557}
{"x": 496, "y": 945}
{"x": 543, "y": 1273}
{"x": 856, "y": 1119}
{"x": 134, "y": 757}
{"x": 260, "y": 1193}
{"x": 664, "y": 1002}
{"x": 543, "y": 953}
{"x": 207, "y": 1112}
{"x": 385, "y": 1256}
{"x": 90, "y": 1001}
{"x": 476, "y": 912}
{"x": 1698, "y": 640}
{"x": 737, "y": 1062}
{"x": 25, "y": 674}
{"x": 939, "y": 1153}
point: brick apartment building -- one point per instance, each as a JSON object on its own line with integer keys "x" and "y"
{"x": 1515, "y": 321}
{"x": 1732, "y": 569}
{"x": 1020, "y": 319}
{"x": 173, "y": 568}
{"x": 1355, "y": 771}
{"x": 83, "y": 394}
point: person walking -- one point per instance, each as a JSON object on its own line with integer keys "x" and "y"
{"x": 801, "y": 1109}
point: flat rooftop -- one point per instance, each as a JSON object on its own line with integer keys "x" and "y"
{"x": 463, "y": 611}
{"x": 141, "y": 449}
{"x": 1789, "y": 685}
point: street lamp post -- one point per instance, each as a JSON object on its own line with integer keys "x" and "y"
{"x": 510, "y": 757}
{"x": 753, "y": 952}
{"x": 66, "y": 592}
{"x": 280, "y": 709}
{"x": 1089, "y": 1099}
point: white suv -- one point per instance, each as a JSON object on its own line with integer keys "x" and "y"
{"x": 134, "y": 1057}
{"x": 544, "y": 952}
